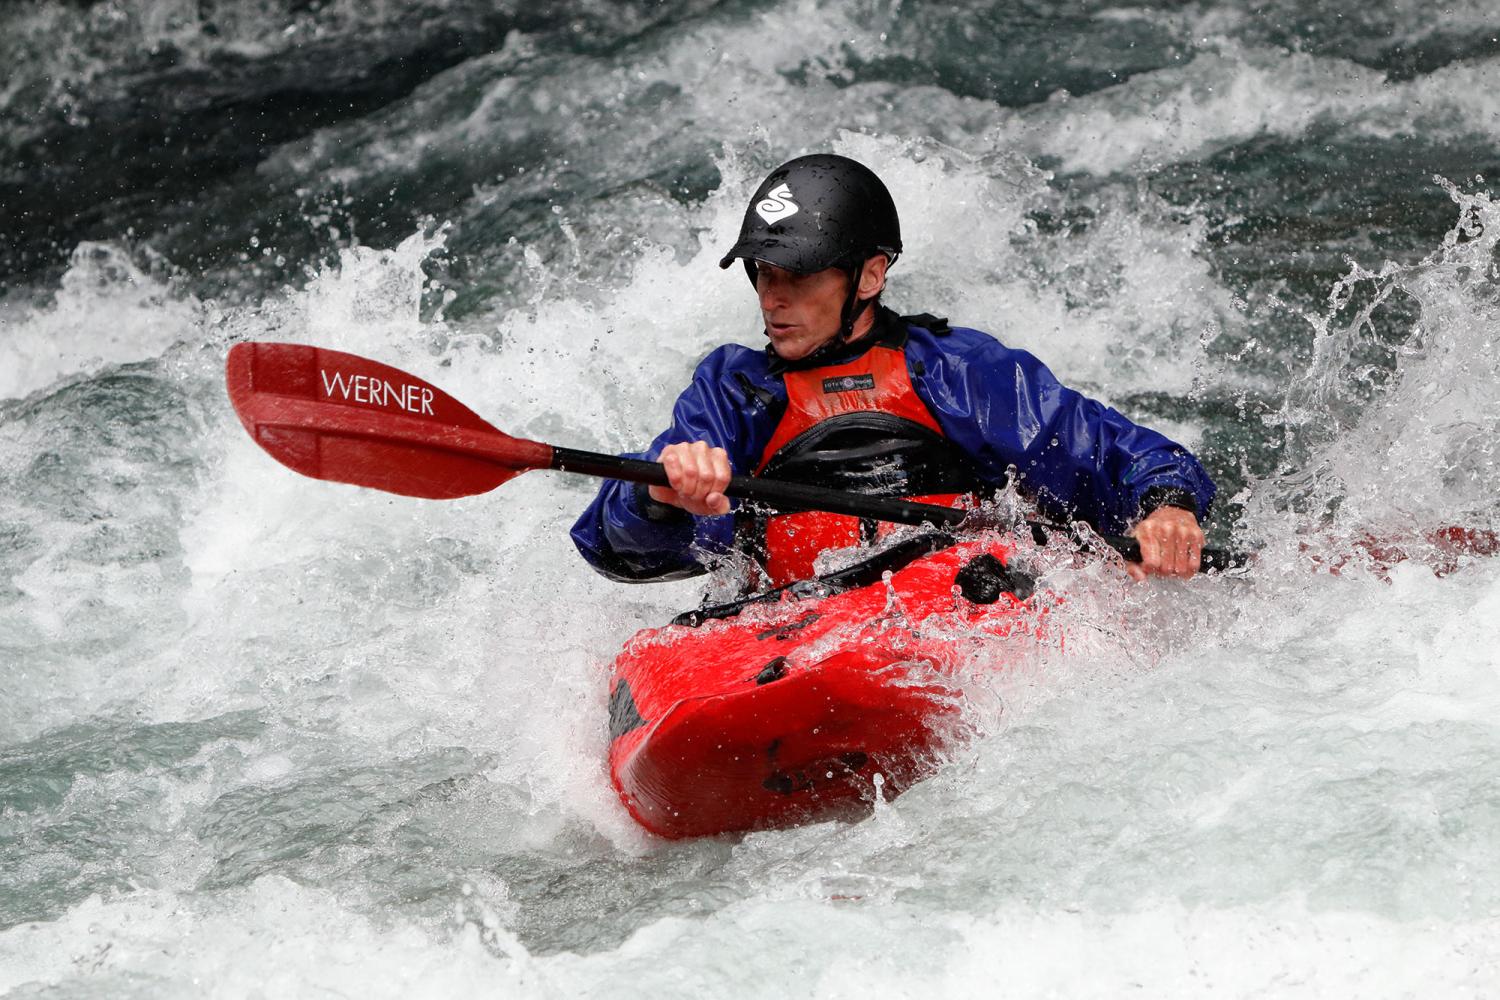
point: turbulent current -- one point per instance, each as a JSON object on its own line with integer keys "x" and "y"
{"x": 267, "y": 736}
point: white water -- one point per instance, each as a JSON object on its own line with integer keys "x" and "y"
{"x": 265, "y": 736}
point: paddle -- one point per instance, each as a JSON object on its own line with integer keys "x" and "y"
{"x": 347, "y": 419}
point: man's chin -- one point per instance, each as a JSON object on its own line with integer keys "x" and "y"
{"x": 790, "y": 348}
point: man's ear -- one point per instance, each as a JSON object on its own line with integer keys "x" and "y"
{"x": 872, "y": 276}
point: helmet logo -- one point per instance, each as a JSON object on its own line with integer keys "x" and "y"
{"x": 778, "y": 204}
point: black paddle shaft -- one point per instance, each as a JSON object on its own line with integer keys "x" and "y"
{"x": 793, "y": 497}
{"x": 782, "y": 496}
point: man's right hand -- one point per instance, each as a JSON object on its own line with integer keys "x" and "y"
{"x": 699, "y": 474}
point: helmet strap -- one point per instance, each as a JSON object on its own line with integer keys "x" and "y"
{"x": 854, "y": 306}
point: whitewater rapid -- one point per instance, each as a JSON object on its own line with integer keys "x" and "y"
{"x": 266, "y": 736}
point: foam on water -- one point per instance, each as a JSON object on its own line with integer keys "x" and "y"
{"x": 1423, "y": 402}
{"x": 264, "y": 735}
{"x": 108, "y": 310}
{"x": 1230, "y": 93}
{"x": 423, "y": 678}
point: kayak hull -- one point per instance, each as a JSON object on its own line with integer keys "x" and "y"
{"x": 801, "y": 710}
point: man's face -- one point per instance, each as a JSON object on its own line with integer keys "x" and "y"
{"x": 801, "y": 311}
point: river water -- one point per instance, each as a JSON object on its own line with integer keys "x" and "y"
{"x": 266, "y": 736}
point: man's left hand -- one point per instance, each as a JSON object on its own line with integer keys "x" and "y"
{"x": 1171, "y": 544}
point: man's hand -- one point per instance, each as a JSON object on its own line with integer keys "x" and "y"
{"x": 1171, "y": 544}
{"x": 698, "y": 474}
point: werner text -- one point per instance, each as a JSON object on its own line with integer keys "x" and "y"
{"x": 376, "y": 391}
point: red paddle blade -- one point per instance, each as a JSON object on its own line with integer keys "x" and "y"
{"x": 340, "y": 417}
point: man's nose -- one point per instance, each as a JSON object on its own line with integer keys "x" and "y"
{"x": 771, "y": 289}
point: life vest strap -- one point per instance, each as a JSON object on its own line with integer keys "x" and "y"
{"x": 793, "y": 542}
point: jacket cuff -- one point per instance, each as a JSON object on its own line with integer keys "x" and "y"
{"x": 655, "y": 511}
{"x": 1168, "y": 496}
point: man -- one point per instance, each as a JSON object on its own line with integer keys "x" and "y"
{"x": 850, "y": 395}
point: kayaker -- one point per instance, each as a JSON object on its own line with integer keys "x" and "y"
{"x": 850, "y": 395}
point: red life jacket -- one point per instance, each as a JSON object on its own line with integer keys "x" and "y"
{"x": 857, "y": 425}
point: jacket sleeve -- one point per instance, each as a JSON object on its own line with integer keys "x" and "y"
{"x": 626, "y": 536}
{"x": 1080, "y": 459}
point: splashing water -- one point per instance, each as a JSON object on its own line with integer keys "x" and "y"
{"x": 1423, "y": 399}
{"x": 265, "y": 735}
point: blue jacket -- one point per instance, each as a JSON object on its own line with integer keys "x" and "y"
{"x": 1079, "y": 459}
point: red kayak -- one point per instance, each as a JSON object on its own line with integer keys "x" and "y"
{"x": 804, "y": 705}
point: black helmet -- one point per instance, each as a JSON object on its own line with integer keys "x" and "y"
{"x": 817, "y": 212}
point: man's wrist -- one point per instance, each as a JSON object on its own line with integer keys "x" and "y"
{"x": 1158, "y": 497}
{"x": 654, "y": 510}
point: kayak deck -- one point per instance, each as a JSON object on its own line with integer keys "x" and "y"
{"x": 805, "y": 709}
